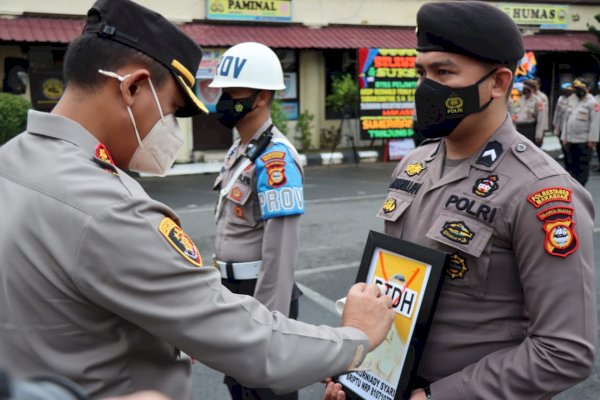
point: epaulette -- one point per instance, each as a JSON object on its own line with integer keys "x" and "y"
{"x": 104, "y": 159}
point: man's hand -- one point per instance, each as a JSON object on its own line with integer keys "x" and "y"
{"x": 370, "y": 311}
{"x": 333, "y": 391}
{"x": 418, "y": 394}
{"x": 538, "y": 141}
{"x": 592, "y": 145}
{"x": 564, "y": 142}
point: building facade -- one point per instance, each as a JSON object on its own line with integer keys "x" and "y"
{"x": 316, "y": 41}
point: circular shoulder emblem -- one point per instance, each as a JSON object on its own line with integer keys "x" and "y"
{"x": 180, "y": 241}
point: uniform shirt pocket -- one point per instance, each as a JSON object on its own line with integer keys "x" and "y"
{"x": 242, "y": 210}
{"x": 583, "y": 115}
{"x": 394, "y": 205}
{"x": 469, "y": 245}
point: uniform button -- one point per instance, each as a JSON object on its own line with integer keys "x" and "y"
{"x": 521, "y": 147}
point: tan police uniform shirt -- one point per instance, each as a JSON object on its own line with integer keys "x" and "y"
{"x": 516, "y": 317}
{"x": 562, "y": 106}
{"x": 244, "y": 234}
{"x": 582, "y": 122}
{"x": 542, "y": 96}
{"x": 531, "y": 110}
{"x": 102, "y": 286}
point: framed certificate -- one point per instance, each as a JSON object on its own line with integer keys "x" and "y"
{"x": 412, "y": 275}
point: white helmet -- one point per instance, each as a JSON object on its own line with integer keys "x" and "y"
{"x": 249, "y": 65}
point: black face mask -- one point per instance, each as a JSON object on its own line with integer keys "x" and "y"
{"x": 230, "y": 111}
{"x": 580, "y": 93}
{"x": 526, "y": 92}
{"x": 441, "y": 108}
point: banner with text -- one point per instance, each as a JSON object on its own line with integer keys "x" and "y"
{"x": 542, "y": 16}
{"x": 387, "y": 81}
{"x": 256, "y": 10}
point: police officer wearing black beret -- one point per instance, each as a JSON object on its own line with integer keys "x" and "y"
{"x": 516, "y": 317}
{"x": 100, "y": 283}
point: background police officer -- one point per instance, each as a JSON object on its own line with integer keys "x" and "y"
{"x": 516, "y": 318}
{"x": 581, "y": 127}
{"x": 261, "y": 196}
{"x": 100, "y": 283}
{"x": 530, "y": 119}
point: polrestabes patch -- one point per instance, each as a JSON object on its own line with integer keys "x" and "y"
{"x": 457, "y": 266}
{"x": 405, "y": 185}
{"x": 414, "y": 169}
{"x": 276, "y": 173}
{"x": 458, "y": 231}
{"x": 490, "y": 153}
{"x": 556, "y": 212}
{"x": 561, "y": 239}
{"x": 548, "y": 195}
{"x": 273, "y": 155}
{"x": 389, "y": 205}
{"x": 486, "y": 186}
{"x": 180, "y": 241}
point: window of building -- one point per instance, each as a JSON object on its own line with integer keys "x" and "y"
{"x": 337, "y": 63}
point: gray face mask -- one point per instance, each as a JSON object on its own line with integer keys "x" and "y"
{"x": 157, "y": 152}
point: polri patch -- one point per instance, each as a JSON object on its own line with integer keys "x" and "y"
{"x": 548, "y": 195}
{"x": 276, "y": 173}
{"x": 457, "y": 267}
{"x": 457, "y": 231}
{"x": 490, "y": 153}
{"x": 561, "y": 239}
{"x": 180, "y": 241}
{"x": 486, "y": 186}
{"x": 414, "y": 169}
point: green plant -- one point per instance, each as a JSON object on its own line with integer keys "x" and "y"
{"x": 344, "y": 94}
{"x": 329, "y": 136}
{"x": 279, "y": 116}
{"x": 304, "y": 129}
{"x": 13, "y": 116}
{"x": 592, "y": 47}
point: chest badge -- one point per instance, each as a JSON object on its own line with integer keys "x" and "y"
{"x": 390, "y": 205}
{"x": 486, "y": 186}
{"x": 414, "y": 169}
{"x": 458, "y": 232}
{"x": 457, "y": 267}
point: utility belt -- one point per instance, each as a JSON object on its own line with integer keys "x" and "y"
{"x": 238, "y": 270}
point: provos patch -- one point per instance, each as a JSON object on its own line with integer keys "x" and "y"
{"x": 180, "y": 241}
{"x": 548, "y": 195}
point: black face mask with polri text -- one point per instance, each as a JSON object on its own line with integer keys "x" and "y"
{"x": 230, "y": 111}
{"x": 441, "y": 108}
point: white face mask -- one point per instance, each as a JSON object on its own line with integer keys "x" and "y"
{"x": 157, "y": 152}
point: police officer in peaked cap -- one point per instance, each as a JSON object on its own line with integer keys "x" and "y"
{"x": 516, "y": 317}
{"x": 100, "y": 282}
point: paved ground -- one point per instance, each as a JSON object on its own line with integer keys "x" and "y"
{"x": 340, "y": 209}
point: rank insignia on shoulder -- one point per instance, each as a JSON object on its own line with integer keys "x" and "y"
{"x": 103, "y": 155}
{"x": 414, "y": 169}
{"x": 457, "y": 267}
{"x": 390, "y": 205}
{"x": 458, "y": 232}
{"x": 486, "y": 186}
{"x": 180, "y": 241}
{"x": 561, "y": 239}
{"x": 490, "y": 153}
{"x": 548, "y": 195}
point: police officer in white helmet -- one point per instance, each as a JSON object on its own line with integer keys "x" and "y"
{"x": 260, "y": 191}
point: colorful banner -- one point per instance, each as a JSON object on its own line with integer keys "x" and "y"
{"x": 405, "y": 281}
{"x": 542, "y": 16}
{"x": 255, "y": 10}
{"x": 387, "y": 81}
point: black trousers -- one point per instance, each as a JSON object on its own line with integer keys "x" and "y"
{"x": 577, "y": 161}
{"x": 527, "y": 129}
{"x": 237, "y": 391}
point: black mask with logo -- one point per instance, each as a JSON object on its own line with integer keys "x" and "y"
{"x": 230, "y": 111}
{"x": 441, "y": 108}
{"x": 579, "y": 92}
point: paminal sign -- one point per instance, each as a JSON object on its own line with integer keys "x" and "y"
{"x": 250, "y": 10}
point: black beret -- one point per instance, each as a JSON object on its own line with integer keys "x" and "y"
{"x": 130, "y": 24}
{"x": 471, "y": 28}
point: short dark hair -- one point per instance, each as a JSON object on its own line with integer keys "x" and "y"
{"x": 88, "y": 53}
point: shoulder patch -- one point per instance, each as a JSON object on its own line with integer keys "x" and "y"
{"x": 597, "y": 107}
{"x": 548, "y": 195}
{"x": 561, "y": 239}
{"x": 279, "y": 183}
{"x": 103, "y": 155}
{"x": 180, "y": 241}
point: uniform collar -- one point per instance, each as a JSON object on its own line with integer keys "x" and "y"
{"x": 59, "y": 127}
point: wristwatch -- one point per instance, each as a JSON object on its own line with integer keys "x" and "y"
{"x": 428, "y": 393}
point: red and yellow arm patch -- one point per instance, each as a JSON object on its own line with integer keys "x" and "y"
{"x": 548, "y": 195}
{"x": 180, "y": 241}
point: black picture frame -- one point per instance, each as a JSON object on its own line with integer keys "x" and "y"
{"x": 413, "y": 319}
